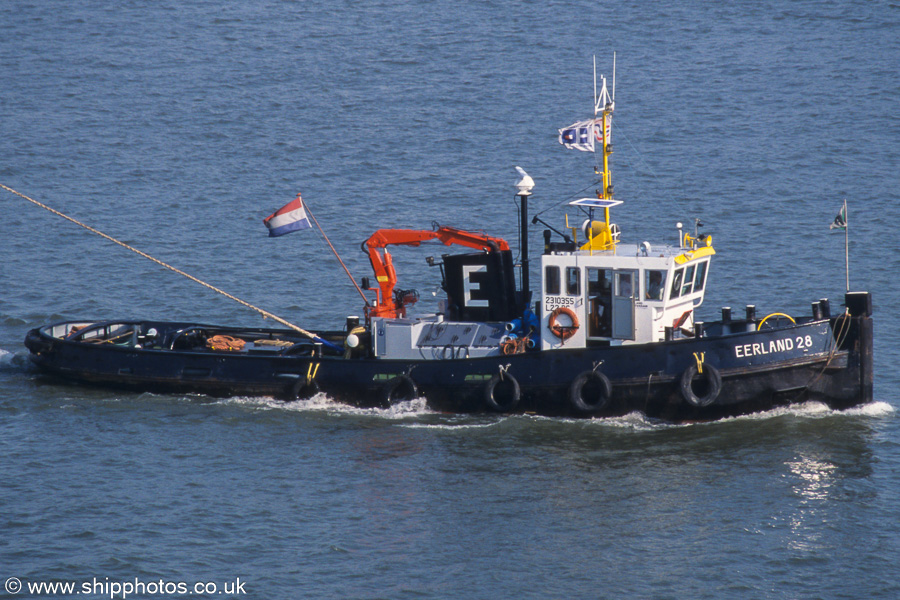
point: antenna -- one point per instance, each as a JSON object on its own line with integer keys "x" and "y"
{"x": 595, "y": 84}
{"x": 847, "y": 243}
{"x": 614, "y": 78}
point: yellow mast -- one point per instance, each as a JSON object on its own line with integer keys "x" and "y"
{"x": 604, "y": 104}
{"x": 584, "y": 136}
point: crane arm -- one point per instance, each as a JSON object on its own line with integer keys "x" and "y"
{"x": 447, "y": 235}
{"x": 383, "y": 266}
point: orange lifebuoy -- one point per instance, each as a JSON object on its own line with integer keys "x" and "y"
{"x": 563, "y": 332}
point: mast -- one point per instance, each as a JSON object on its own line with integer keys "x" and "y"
{"x": 604, "y": 105}
{"x": 524, "y": 187}
{"x": 584, "y": 136}
{"x": 523, "y": 207}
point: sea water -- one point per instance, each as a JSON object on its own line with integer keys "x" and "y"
{"x": 178, "y": 127}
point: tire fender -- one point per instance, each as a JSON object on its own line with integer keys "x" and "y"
{"x": 502, "y": 393}
{"x": 302, "y": 389}
{"x": 401, "y": 388}
{"x": 599, "y": 383}
{"x": 713, "y": 381}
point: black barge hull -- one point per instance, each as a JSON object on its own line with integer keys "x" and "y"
{"x": 731, "y": 369}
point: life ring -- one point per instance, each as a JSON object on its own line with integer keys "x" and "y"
{"x": 401, "y": 388}
{"x": 302, "y": 389}
{"x": 711, "y": 378}
{"x": 590, "y": 392}
{"x": 561, "y": 331}
{"x": 502, "y": 393}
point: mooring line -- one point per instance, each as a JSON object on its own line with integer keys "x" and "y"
{"x": 261, "y": 311}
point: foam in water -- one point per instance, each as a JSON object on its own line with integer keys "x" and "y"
{"x": 322, "y": 403}
{"x": 818, "y": 410}
{"x": 11, "y": 360}
{"x": 461, "y": 421}
{"x": 635, "y": 421}
{"x": 872, "y": 409}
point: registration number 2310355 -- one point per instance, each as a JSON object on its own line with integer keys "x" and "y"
{"x": 552, "y": 302}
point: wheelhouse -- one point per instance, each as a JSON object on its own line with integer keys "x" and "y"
{"x": 611, "y": 293}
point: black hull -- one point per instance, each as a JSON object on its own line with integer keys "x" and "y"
{"x": 831, "y": 362}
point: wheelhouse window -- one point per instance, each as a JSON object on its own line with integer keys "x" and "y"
{"x": 688, "y": 286}
{"x": 700, "y": 277}
{"x": 573, "y": 281}
{"x": 676, "y": 283}
{"x": 654, "y": 284}
{"x": 625, "y": 287}
{"x": 689, "y": 280}
{"x": 551, "y": 280}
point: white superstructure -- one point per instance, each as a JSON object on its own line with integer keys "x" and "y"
{"x": 627, "y": 294}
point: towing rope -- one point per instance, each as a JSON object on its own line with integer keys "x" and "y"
{"x": 264, "y": 313}
{"x": 837, "y": 341}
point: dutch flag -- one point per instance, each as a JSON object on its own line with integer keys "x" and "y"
{"x": 288, "y": 218}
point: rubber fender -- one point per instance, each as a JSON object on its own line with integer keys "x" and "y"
{"x": 401, "y": 388}
{"x": 302, "y": 390}
{"x": 502, "y": 394}
{"x": 713, "y": 380}
{"x": 590, "y": 392}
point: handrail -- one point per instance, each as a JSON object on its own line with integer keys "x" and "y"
{"x": 775, "y": 314}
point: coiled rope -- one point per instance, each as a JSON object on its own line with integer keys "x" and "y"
{"x": 264, "y": 313}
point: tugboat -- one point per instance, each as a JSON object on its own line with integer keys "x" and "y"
{"x": 613, "y": 330}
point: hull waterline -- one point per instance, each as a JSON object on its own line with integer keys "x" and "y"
{"x": 826, "y": 360}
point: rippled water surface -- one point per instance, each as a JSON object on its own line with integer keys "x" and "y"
{"x": 178, "y": 127}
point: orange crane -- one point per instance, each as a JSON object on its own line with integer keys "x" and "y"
{"x": 389, "y": 306}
